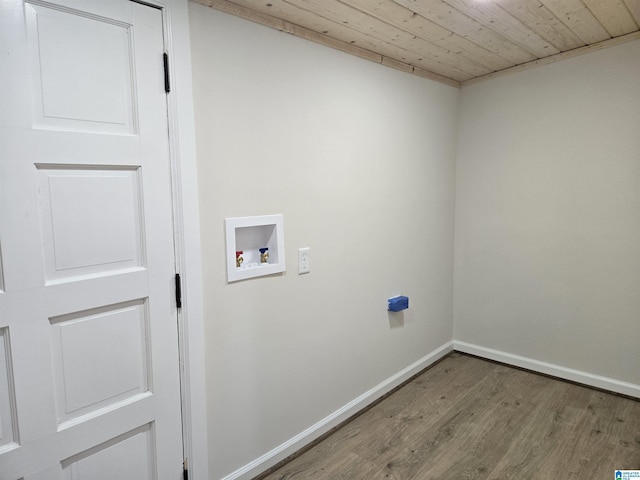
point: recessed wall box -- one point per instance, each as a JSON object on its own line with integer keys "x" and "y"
{"x": 249, "y": 235}
{"x": 396, "y": 304}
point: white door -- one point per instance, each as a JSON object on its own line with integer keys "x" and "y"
{"x": 89, "y": 373}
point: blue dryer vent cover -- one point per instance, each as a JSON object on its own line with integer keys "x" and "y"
{"x": 399, "y": 303}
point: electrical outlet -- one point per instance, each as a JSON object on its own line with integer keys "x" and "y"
{"x": 303, "y": 261}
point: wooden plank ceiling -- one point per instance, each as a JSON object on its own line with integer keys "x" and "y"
{"x": 452, "y": 41}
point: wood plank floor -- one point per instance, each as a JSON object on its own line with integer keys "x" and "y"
{"x": 467, "y": 418}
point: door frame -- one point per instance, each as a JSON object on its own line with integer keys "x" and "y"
{"x": 182, "y": 148}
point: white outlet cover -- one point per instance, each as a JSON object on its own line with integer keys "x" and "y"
{"x": 304, "y": 265}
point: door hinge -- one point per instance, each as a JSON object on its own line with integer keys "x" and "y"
{"x": 178, "y": 291}
{"x": 165, "y": 61}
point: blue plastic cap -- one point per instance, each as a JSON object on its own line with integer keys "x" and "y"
{"x": 397, "y": 304}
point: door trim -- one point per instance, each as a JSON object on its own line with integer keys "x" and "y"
{"x": 187, "y": 233}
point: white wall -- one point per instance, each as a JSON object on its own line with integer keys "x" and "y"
{"x": 548, "y": 215}
{"x": 360, "y": 159}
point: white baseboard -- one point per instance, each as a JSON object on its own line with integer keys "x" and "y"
{"x": 578, "y": 376}
{"x": 294, "y": 444}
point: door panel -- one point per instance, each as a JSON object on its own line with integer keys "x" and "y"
{"x": 8, "y": 425}
{"x": 110, "y": 215}
{"x": 105, "y": 462}
{"x": 1, "y": 272}
{"x": 89, "y": 372}
{"x": 96, "y": 92}
{"x": 85, "y": 387}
